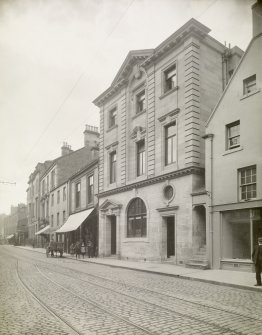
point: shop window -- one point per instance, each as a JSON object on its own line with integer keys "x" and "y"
{"x": 248, "y": 185}
{"x": 249, "y": 84}
{"x": 140, "y": 158}
{"x": 136, "y": 218}
{"x": 240, "y": 231}
{"x": 233, "y": 135}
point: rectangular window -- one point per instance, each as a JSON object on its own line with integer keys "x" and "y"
{"x": 233, "y": 135}
{"x": 77, "y": 194}
{"x": 249, "y": 84}
{"x": 52, "y": 220}
{"x": 113, "y": 167}
{"x": 90, "y": 189}
{"x": 47, "y": 183}
{"x": 52, "y": 199}
{"x": 52, "y": 179}
{"x": 141, "y": 158}
{"x": 112, "y": 117}
{"x": 248, "y": 186}
{"x": 170, "y": 143}
{"x": 170, "y": 79}
{"x": 58, "y": 196}
{"x": 140, "y": 102}
{"x": 64, "y": 216}
{"x": 57, "y": 219}
{"x": 43, "y": 187}
{"x": 64, "y": 193}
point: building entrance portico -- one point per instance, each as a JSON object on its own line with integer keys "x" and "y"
{"x": 109, "y": 227}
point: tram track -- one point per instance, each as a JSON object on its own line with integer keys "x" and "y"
{"x": 223, "y": 330}
{"x": 53, "y": 313}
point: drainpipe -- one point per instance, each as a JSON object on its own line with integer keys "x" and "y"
{"x": 210, "y": 194}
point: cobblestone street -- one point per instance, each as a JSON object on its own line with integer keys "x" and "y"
{"x": 42, "y": 295}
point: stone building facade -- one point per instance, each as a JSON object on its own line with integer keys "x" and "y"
{"x": 151, "y": 167}
{"x": 234, "y": 162}
{"x": 54, "y": 183}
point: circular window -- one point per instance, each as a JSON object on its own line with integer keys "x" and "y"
{"x": 168, "y": 192}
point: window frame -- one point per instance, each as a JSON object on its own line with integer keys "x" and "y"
{"x": 167, "y": 79}
{"x": 64, "y": 193}
{"x": 229, "y": 136}
{"x": 77, "y": 195}
{"x": 90, "y": 189}
{"x": 139, "y": 102}
{"x": 249, "y": 84}
{"x": 173, "y": 143}
{"x": 140, "y": 158}
{"x": 247, "y": 187}
{"x": 112, "y": 167}
{"x": 112, "y": 115}
{"x": 58, "y": 197}
{"x": 132, "y": 219}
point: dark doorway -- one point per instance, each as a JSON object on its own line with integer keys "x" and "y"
{"x": 170, "y": 225}
{"x": 113, "y": 235}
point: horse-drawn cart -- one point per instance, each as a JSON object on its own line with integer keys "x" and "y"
{"x": 55, "y": 247}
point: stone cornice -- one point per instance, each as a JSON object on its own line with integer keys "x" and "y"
{"x": 167, "y": 209}
{"x": 154, "y": 180}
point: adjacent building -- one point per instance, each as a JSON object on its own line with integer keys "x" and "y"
{"x": 234, "y": 161}
{"x": 55, "y": 186}
{"x": 151, "y": 160}
{"x": 15, "y": 225}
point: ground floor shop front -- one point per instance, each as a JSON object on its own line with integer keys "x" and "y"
{"x": 153, "y": 223}
{"x": 236, "y": 229}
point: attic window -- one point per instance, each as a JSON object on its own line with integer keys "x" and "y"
{"x": 249, "y": 84}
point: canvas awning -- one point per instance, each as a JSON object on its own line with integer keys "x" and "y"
{"x": 74, "y": 221}
{"x": 9, "y": 236}
{"x": 45, "y": 230}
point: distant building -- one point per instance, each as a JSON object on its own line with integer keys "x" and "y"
{"x": 33, "y": 200}
{"x": 151, "y": 168}
{"x": 234, "y": 161}
{"x": 15, "y": 224}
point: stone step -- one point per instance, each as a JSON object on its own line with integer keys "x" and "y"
{"x": 198, "y": 260}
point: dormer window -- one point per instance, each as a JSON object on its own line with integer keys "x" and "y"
{"x": 140, "y": 102}
{"x": 249, "y": 84}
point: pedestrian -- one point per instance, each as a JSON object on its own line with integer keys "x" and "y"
{"x": 257, "y": 260}
{"x": 72, "y": 249}
{"x": 52, "y": 246}
{"x": 78, "y": 249}
{"x": 83, "y": 249}
{"x": 89, "y": 248}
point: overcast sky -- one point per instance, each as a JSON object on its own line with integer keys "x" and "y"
{"x": 57, "y": 56}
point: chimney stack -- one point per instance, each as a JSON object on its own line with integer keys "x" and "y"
{"x": 66, "y": 149}
{"x": 91, "y": 136}
{"x": 257, "y": 18}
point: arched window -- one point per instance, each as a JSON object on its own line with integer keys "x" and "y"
{"x": 136, "y": 218}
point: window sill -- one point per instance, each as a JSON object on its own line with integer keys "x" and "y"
{"x": 135, "y": 239}
{"x": 249, "y": 94}
{"x": 138, "y": 114}
{"x": 231, "y": 151}
{"x": 111, "y": 128}
{"x": 168, "y": 92}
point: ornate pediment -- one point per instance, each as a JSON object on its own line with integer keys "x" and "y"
{"x": 138, "y": 133}
{"x": 109, "y": 205}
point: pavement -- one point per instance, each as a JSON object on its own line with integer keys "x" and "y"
{"x": 237, "y": 279}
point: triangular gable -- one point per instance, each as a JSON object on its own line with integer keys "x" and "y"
{"x": 132, "y": 57}
{"x": 109, "y": 204}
